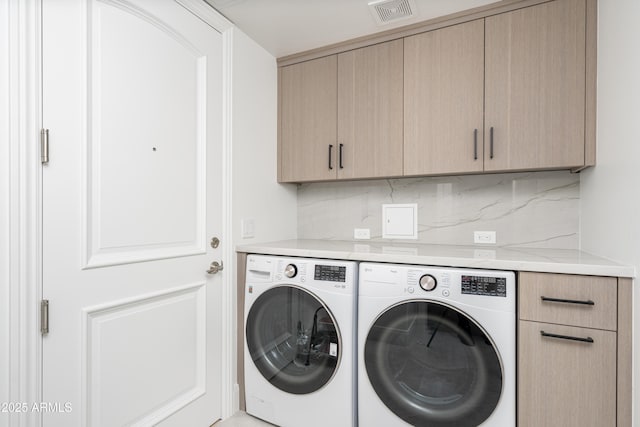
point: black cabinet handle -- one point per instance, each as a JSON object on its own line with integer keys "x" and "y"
{"x": 475, "y": 144}
{"x": 567, "y": 301}
{"x": 566, "y": 337}
{"x": 330, "y": 156}
{"x": 491, "y": 143}
{"x": 341, "y": 145}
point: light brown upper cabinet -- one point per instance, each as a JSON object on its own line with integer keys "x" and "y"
{"x": 535, "y": 87}
{"x": 510, "y": 88}
{"x": 308, "y": 120}
{"x": 443, "y": 100}
{"x": 341, "y": 115}
{"x": 370, "y": 111}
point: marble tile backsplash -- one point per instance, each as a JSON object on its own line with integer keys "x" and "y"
{"x": 538, "y": 209}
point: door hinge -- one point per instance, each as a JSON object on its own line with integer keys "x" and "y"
{"x": 44, "y": 316}
{"x": 44, "y": 146}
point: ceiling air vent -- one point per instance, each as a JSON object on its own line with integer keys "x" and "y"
{"x": 386, "y": 11}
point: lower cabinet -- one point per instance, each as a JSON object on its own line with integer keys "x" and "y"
{"x": 574, "y": 355}
{"x": 567, "y": 376}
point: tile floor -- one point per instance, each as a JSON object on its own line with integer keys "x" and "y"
{"x": 241, "y": 419}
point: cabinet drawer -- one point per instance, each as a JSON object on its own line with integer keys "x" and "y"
{"x": 585, "y": 301}
{"x": 563, "y": 382}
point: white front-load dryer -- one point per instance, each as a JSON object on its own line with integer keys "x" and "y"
{"x": 300, "y": 340}
{"x": 436, "y": 347}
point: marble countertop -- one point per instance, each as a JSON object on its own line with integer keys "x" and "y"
{"x": 498, "y": 258}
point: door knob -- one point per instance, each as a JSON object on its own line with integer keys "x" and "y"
{"x": 215, "y": 267}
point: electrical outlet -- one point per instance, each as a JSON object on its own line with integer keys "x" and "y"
{"x": 361, "y": 233}
{"x": 484, "y": 237}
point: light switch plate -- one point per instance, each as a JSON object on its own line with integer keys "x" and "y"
{"x": 400, "y": 221}
{"x": 247, "y": 228}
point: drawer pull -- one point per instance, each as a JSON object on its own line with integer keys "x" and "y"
{"x": 567, "y": 301}
{"x": 567, "y": 337}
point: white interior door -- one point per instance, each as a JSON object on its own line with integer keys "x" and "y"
{"x": 132, "y": 98}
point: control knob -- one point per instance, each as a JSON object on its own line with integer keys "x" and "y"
{"x": 428, "y": 282}
{"x": 290, "y": 271}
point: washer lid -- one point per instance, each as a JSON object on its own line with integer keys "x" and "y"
{"x": 293, "y": 339}
{"x": 430, "y": 364}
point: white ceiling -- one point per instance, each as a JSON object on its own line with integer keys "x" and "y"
{"x": 284, "y": 27}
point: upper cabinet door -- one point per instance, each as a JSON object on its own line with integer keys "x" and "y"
{"x": 535, "y": 87}
{"x": 308, "y": 120}
{"x": 443, "y": 100}
{"x": 370, "y": 111}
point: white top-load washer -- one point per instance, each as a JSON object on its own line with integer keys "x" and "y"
{"x": 436, "y": 346}
{"x": 300, "y": 340}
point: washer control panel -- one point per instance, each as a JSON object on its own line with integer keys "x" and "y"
{"x": 330, "y": 273}
{"x": 315, "y": 274}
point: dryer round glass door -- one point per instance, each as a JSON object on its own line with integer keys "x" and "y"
{"x": 433, "y": 365}
{"x": 293, "y": 339}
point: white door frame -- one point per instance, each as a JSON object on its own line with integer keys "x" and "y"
{"x": 24, "y": 234}
{"x": 220, "y": 23}
{"x": 23, "y": 30}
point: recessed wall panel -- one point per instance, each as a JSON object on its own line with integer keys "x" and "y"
{"x": 145, "y": 358}
{"x": 146, "y": 139}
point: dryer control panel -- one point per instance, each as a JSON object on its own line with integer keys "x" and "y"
{"x": 489, "y": 289}
{"x": 484, "y": 285}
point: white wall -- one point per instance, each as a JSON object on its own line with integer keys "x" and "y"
{"x": 610, "y": 192}
{"x": 4, "y": 208}
{"x": 256, "y": 193}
